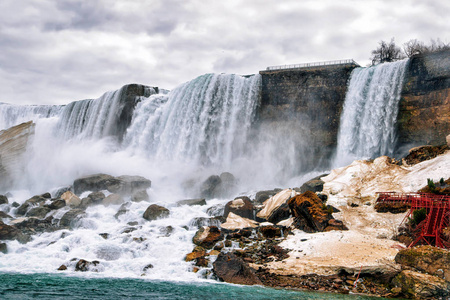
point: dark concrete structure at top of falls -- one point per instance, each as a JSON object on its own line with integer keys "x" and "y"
{"x": 307, "y": 99}
{"x": 311, "y": 99}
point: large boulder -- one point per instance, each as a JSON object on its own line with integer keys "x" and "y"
{"x": 28, "y": 204}
{"x": 38, "y": 212}
{"x": 154, "y": 212}
{"x": 71, "y": 199}
{"x": 113, "y": 199}
{"x": 241, "y": 206}
{"x": 271, "y": 205}
{"x": 262, "y": 196}
{"x": 431, "y": 260}
{"x": 69, "y": 218}
{"x": 311, "y": 215}
{"x": 129, "y": 185}
{"x": 8, "y": 232}
{"x": 422, "y": 286}
{"x": 192, "y": 202}
{"x": 95, "y": 183}
{"x": 3, "y": 199}
{"x": 313, "y": 185}
{"x": 216, "y": 186}
{"x": 232, "y": 269}
{"x": 207, "y": 237}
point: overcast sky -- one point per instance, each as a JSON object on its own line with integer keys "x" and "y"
{"x": 58, "y": 51}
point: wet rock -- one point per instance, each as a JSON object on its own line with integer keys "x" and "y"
{"x": 279, "y": 214}
{"x": 200, "y": 221}
{"x": 262, "y": 196}
{"x": 207, "y": 237}
{"x": 104, "y": 235}
{"x": 38, "y": 212}
{"x": 422, "y": 286}
{"x": 57, "y": 204}
{"x": 216, "y": 210}
{"x": 3, "y": 248}
{"x": 139, "y": 196}
{"x": 155, "y": 211}
{"x": 241, "y": 206}
{"x": 96, "y": 197}
{"x": 309, "y": 212}
{"x": 270, "y": 231}
{"x": 210, "y": 188}
{"x": 194, "y": 255}
{"x": 30, "y": 226}
{"x": 70, "y": 217}
{"x": 166, "y": 230}
{"x": 4, "y": 215}
{"x": 61, "y": 191}
{"x": 132, "y": 184}
{"x": 85, "y": 202}
{"x": 34, "y": 201}
{"x": 8, "y": 232}
{"x": 113, "y": 199}
{"x": 313, "y": 185}
{"x": 84, "y": 265}
{"x": 192, "y": 202}
{"x": 147, "y": 267}
{"x": 95, "y": 183}
{"x": 3, "y": 199}
{"x": 431, "y": 260}
{"x": 62, "y": 268}
{"x": 232, "y": 269}
{"x": 15, "y": 204}
{"x": 123, "y": 209}
{"x": 71, "y": 199}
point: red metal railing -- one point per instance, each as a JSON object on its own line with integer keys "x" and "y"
{"x": 432, "y": 230}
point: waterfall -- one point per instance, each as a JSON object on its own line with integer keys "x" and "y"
{"x": 12, "y": 115}
{"x": 367, "y": 127}
{"x": 205, "y": 121}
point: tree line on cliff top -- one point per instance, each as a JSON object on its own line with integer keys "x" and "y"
{"x": 389, "y": 51}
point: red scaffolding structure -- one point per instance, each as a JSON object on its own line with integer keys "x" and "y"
{"x": 435, "y": 229}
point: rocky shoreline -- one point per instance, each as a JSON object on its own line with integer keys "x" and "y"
{"x": 306, "y": 238}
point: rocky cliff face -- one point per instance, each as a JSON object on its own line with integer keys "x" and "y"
{"x": 305, "y": 106}
{"x": 13, "y": 143}
{"x": 424, "y": 112}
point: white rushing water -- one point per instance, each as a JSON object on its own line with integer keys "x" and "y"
{"x": 367, "y": 127}
{"x": 184, "y": 136}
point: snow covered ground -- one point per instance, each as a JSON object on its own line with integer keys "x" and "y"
{"x": 367, "y": 245}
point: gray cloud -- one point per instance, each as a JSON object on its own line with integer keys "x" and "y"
{"x": 65, "y": 50}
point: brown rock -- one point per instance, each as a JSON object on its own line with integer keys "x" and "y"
{"x": 422, "y": 286}
{"x": 310, "y": 214}
{"x": 207, "y": 236}
{"x": 432, "y": 260}
{"x": 230, "y": 268}
{"x": 241, "y": 206}
{"x": 154, "y": 212}
{"x": 194, "y": 255}
{"x": 62, "y": 268}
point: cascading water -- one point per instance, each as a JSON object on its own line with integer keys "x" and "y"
{"x": 11, "y": 115}
{"x": 205, "y": 121}
{"x": 367, "y": 128}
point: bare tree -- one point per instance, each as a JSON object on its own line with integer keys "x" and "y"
{"x": 414, "y": 47}
{"x": 386, "y": 53}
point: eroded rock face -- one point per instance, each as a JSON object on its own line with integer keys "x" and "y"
{"x": 428, "y": 259}
{"x": 154, "y": 212}
{"x": 422, "y": 286}
{"x": 232, "y": 269}
{"x": 424, "y": 108}
{"x": 13, "y": 144}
